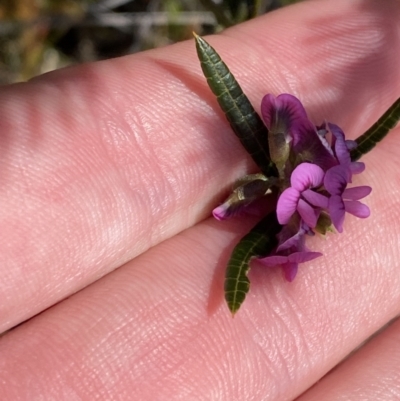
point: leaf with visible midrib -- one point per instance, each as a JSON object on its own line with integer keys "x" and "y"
{"x": 244, "y": 120}
{"x": 377, "y": 132}
{"x": 260, "y": 241}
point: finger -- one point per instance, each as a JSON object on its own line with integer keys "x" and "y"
{"x": 370, "y": 374}
{"x": 158, "y": 327}
{"x": 99, "y": 163}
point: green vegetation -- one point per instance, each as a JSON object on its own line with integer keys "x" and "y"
{"x": 37, "y": 36}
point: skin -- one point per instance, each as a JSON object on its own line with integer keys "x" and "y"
{"x": 111, "y": 266}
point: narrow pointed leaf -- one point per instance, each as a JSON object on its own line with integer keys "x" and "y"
{"x": 260, "y": 241}
{"x": 377, "y": 132}
{"x": 244, "y": 120}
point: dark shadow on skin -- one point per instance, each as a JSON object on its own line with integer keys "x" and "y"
{"x": 247, "y": 222}
{"x": 198, "y": 85}
{"x": 9, "y": 126}
{"x": 194, "y": 82}
{"x": 216, "y": 296}
{"x": 226, "y": 140}
{"x": 258, "y": 274}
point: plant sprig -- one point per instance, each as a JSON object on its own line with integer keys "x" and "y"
{"x": 253, "y": 134}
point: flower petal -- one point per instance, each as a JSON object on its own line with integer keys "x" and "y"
{"x": 287, "y": 204}
{"x": 309, "y": 146}
{"x": 291, "y": 236}
{"x": 269, "y": 110}
{"x": 274, "y": 260}
{"x": 282, "y": 113}
{"x": 307, "y": 175}
{"x": 357, "y": 209}
{"x": 308, "y": 213}
{"x": 351, "y": 144}
{"x": 356, "y": 193}
{"x": 357, "y": 167}
{"x": 221, "y": 212}
{"x": 341, "y": 150}
{"x": 285, "y": 114}
{"x": 290, "y": 271}
{"x": 315, "y": 198}
{"x": 337, "y": 211}
{"x": 335, "y": 180}
{"x": 302, "y": 257}
{"x": 323, "y": 136}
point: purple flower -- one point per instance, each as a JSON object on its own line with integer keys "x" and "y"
{"x": 344, "y": 199}
{"x": 300, "y": 197}
{"x": 341, "y": 148}
{"x": 316, "y": 162}
{"x": 221, "y": 212}
{"x": 339, "y": 144}
{"x": 285, "y": 116}
{"x": 247, "y": 190}
{"x": 291, "y": 251}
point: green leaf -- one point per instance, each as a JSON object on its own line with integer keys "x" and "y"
{"x": 377, "y": 132}
{"x": 260, "y": 241}
{"x": 244, "y": 120}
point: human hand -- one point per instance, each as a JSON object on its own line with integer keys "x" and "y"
{"x": 118, "y": 164}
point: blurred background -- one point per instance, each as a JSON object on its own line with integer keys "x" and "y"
{"x": 38, "y": 36}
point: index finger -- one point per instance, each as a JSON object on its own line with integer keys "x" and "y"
{"x": 102, "y": 161}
